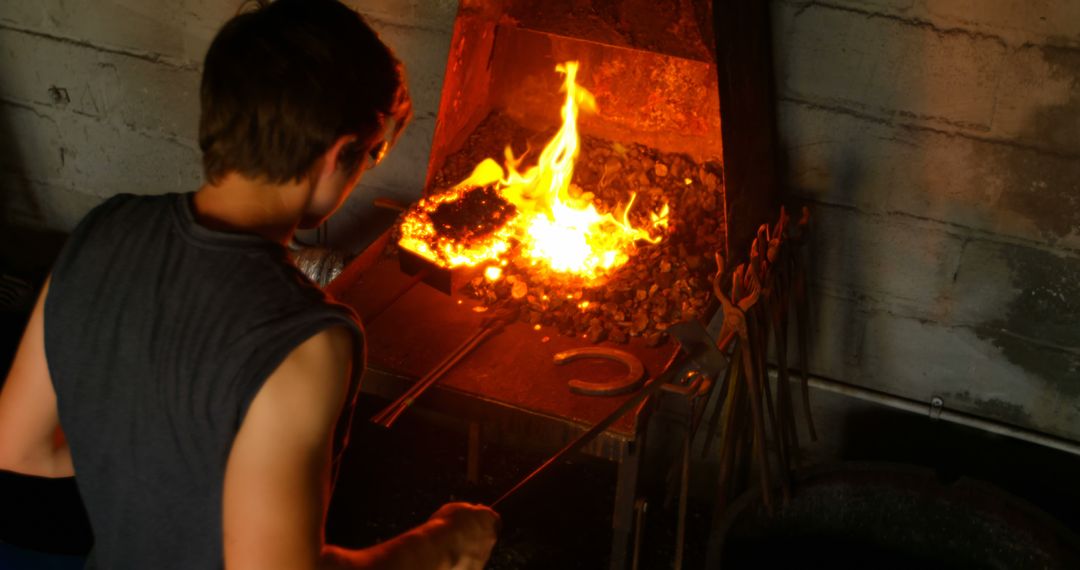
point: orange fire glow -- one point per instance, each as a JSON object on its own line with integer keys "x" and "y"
{"x": 556, "y": 226}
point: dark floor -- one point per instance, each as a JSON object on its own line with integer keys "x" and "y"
{"x": 392, "y": 480}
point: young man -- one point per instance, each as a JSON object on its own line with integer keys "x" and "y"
{"x": 198, "y": 376}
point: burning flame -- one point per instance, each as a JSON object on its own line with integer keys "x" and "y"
{"x": 552, "y": 226}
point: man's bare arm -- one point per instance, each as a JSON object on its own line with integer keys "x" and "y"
{"x": 31, "y": 441}
{"x": 277, "y": 479}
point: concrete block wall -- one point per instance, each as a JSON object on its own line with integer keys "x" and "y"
{"x": 938, "y": 142}
{"x": 99, "y": 97}
{"x": 938, "y": 145}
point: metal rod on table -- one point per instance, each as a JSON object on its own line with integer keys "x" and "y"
{"x": 390, "y": 414}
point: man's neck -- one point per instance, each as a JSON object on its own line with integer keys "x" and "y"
{"x": 239, "y": 204}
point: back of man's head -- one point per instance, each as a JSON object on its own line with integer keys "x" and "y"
{"x": 281, "y": 83}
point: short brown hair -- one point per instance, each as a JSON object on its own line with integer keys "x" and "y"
{"x": 281, "y": 83}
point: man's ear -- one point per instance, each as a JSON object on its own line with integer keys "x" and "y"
{"x": 334, "y": 158}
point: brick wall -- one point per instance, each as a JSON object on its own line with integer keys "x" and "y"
{"x": 938, "y": 143}
{"x": 99, "y": 97}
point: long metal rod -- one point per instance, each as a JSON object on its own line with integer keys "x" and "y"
{"x": 939, "y": 412}
{"x": 653, "y": 387}
{"x": 392, "y": 412}
{"x": 670, "y": 372}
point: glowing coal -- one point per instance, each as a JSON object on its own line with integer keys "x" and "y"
{"x": 535, "y": 216}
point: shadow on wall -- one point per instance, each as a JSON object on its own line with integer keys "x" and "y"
{"x": 13, "y": 183}
{"x": 25, "y": 252}
{"x": 859, "y": 264}
{"x": 839, "y": 334}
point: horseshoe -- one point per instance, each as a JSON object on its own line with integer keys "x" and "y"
{"x": 634, "y": 376}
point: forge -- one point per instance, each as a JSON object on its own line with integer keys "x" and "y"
{"x": 916, "y": 303}
{"x": 579, "y": 174}
{"x": 592, "y": 161}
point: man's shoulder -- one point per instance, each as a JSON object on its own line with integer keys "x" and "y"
{"x": 120, "y": 215}
{"x": 128, "y": 203}
{"x": 97, "y": 238}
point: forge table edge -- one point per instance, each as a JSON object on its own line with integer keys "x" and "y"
{"x": 509, "y": 381}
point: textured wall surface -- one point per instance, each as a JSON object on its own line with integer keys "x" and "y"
{"x": 938, "y": 143}
{"x": 99, "y": 97}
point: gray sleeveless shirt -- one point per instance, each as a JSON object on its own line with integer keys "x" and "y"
{"x": 158, "y": 333}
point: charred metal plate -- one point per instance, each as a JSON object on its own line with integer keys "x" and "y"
{"x": 442, "y": 279}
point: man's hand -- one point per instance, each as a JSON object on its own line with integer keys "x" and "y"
{"x": 472, "y": 530}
